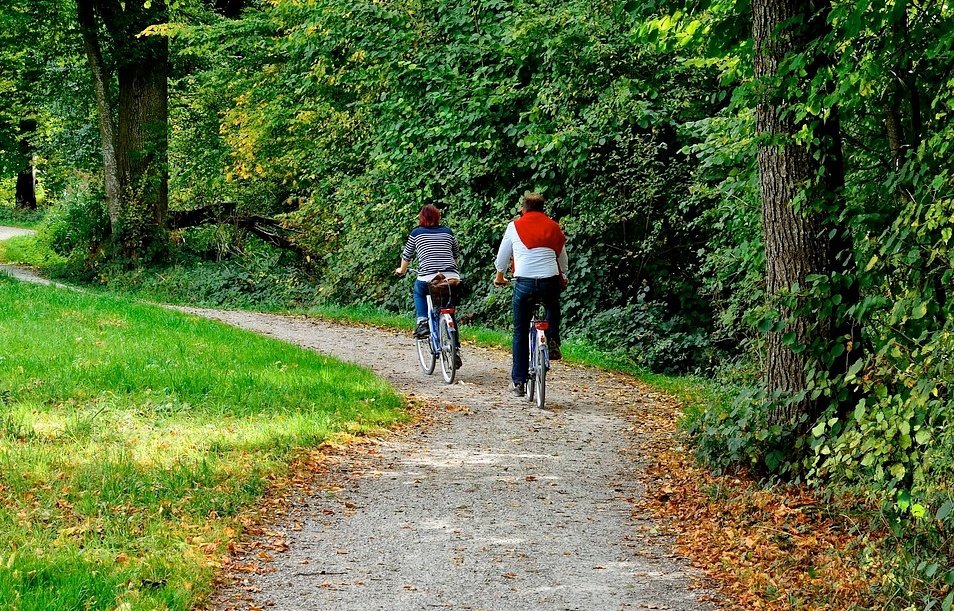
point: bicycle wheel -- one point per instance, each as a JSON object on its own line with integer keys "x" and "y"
{"x": 541, "y": 375}
{"x": 530, "y": 386}
{"x": 448, "y": 352}
{"x": 425, "y": 356}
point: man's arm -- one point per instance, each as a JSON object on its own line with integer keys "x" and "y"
{"x": 504, "y": 254}
{"x": 563, "y": 261}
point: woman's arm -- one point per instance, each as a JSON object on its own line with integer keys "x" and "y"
{"x": 402, "y": 269}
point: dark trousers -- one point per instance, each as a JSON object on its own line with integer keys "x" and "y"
{"x": 526, "y": 291}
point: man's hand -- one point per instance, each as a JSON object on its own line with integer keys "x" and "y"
{"x": 499, "y": 280}
{"x": 563, "y": 281}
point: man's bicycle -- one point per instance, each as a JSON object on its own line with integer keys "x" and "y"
{"x": 441, "y": 343}
{"x": 536, "y": 387}
{"x": 539, "y": 364}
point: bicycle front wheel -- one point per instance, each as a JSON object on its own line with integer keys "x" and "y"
{"x": 540, "y": 377}
{"x": 448, "y": 351}
{"x": 425, "y": 356}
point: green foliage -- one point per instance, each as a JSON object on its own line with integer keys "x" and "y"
{"x": 77, "y": 229}
{"x": 44, "y": 79}
{"x": 11, "y": 217}
{"x": 348, "y": 117}
{"x": 651, "y": 338}
{"x": 256, "y": 277}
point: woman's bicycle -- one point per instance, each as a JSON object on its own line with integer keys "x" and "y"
{"x": 441, "y": 343}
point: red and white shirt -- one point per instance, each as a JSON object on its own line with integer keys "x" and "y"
{"x": 537, "y": 245}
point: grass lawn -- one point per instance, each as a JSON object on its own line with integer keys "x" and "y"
{"x": 131, "y": 437}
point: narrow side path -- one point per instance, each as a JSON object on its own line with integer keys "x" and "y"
{"x": 21, "y": 273}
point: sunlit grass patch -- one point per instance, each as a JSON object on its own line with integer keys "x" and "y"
{"x": 131, "y": 437}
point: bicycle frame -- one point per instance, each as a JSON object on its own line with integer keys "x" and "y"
{"x": 442, "y": 342}
{"x": 434, "y": 315}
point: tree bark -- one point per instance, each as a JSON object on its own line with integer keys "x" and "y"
{"x": 25, "y": 195}
{"x": 105, "y": 109}
{"x": 143, "y": 140}
{"x": 797, "y": 243}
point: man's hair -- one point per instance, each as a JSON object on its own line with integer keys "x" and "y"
{"x": 430, "y": 216}
{"x": 533, "y": 202}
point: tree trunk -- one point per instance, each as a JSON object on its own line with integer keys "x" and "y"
{"x": 143, "y": 144}
{"x": 797, "y": 243}
{"x": 26, "y": 174}
{"x": 106, "y": 110}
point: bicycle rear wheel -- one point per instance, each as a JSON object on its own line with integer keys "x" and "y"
{"x": 425, "y": 356}
{"x": 448, "y": 352}
{"x": 540, "y": 376}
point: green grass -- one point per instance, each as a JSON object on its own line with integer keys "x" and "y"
{"x": 131, "y": 437}
{"x": 30, "y": 250}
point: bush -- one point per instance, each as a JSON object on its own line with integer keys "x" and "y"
{"x": 650, "y": 337}
{"x": 214, "y": 267}
{"x": 77, "y": 228}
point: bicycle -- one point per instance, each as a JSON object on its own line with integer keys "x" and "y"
{"x": 441, "y": 343}
{"x": 539, "y": 356}
{"x": 539, "y": 363}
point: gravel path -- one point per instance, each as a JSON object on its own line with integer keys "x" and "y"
{"x": 495, "y": 504}
{"x": 11, "y": 232}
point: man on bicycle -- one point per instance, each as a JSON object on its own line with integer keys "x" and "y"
{"x": 537, "y": 245}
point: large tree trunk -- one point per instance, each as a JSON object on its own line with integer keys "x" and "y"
{"x": 143, "y": 143}
{"x": 26, "y": 174}
{"x": 797, "y": 243}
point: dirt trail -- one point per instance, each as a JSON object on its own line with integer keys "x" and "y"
{"x": 495, "y": 505}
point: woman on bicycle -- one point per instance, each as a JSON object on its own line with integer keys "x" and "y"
{"x": 437, "y": 252}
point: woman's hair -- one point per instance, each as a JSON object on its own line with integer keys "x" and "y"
{"x": 533, "y": 202}
{"x": 430, "y": 216}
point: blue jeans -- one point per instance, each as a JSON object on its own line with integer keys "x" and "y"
{"x": 420, "y": 302}
{"x": 525, "y": 292}
{"x": 420, "y": 299}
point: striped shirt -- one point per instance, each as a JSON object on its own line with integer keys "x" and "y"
{"x": 436, "y": 251}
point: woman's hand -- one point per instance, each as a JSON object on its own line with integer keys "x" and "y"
{"x": 399, "y": 271}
